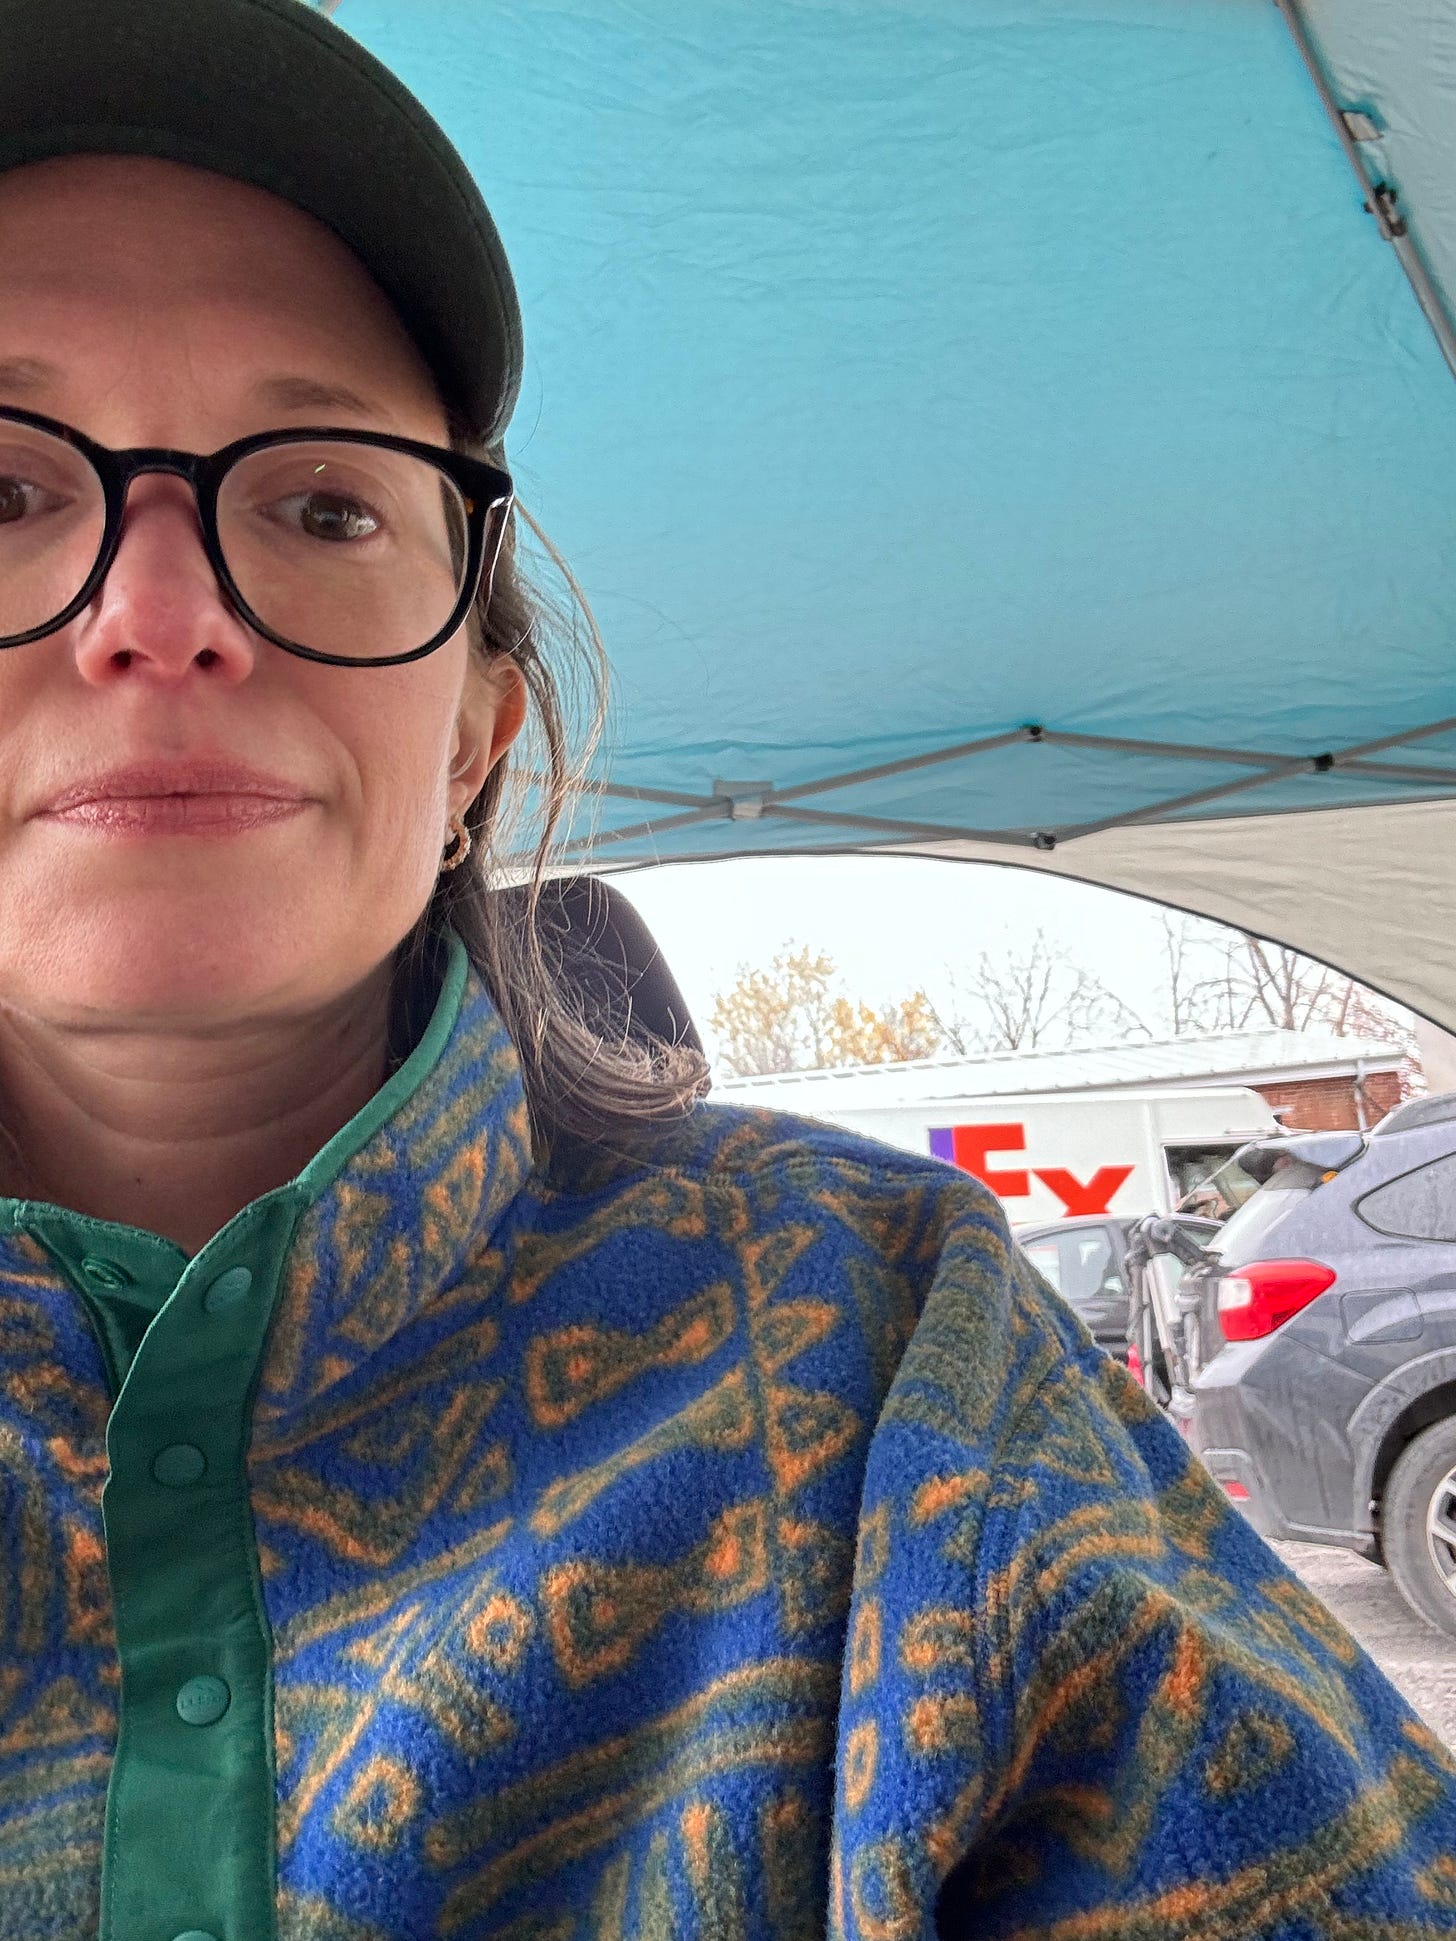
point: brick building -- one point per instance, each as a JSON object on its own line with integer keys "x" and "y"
{"x": 1334, "y": 1102}
{"x": 1312, "y": 1081}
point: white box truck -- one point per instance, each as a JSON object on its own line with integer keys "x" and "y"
{"x": 1123, "y": 1151}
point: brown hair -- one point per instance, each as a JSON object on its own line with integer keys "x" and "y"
{"x": 584, "y": 1072}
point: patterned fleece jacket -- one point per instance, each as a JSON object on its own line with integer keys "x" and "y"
{"x": 726, "y": 1540}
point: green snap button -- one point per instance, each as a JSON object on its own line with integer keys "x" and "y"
{"x": 202, "y": 1701}
{"x": 228, "y": 1289}
{"x": 105, "y": 1273}
{"x": 179, "y": 1465}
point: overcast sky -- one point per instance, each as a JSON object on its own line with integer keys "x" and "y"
{"x": 890, "y": 923}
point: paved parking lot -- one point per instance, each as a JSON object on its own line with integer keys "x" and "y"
{"x": 1415, "y": 1658}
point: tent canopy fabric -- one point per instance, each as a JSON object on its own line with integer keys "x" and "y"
{"x": 1014, "y": 430}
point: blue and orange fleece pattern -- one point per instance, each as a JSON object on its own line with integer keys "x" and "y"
{"x": 730, "y": 1540}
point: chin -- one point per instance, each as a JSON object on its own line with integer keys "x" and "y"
{"x": 211, "y": 956}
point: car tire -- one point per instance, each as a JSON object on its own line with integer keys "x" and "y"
{"x": 1419, "y": 1502}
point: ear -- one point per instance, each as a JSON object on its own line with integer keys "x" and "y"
{"x": 492, "y": 714}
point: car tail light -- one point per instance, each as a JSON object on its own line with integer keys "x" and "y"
{"x": 1135, "y": 1366}
{"x": 1235, "y": 1492}
{"x": 1262, "y": 1296}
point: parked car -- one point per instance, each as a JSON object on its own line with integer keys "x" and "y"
{"x": 1319, "y": 1344}
{"x": 1086, "y": 1261}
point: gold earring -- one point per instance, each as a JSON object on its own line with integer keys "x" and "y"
{"x": 460, "y": 838}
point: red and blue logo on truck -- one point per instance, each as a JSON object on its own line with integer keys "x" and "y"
{"x": 971, "y": 1147}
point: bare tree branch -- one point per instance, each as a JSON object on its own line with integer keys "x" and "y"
{"x": 1038, "y": 998}
{"x": 793, "y": 1016}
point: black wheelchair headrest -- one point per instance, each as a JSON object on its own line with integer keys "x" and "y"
{"x": 607, "y": 954}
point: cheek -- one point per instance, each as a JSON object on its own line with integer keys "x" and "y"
{"x": 400, "y": 754}
{"x": 295, "y": 912}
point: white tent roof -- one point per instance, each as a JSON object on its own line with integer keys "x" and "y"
{"x": 1370, "y": 890}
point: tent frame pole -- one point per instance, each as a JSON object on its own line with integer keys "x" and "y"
{"x": 1381, "y": 198}
{"x": 752, "y": 802}
{"x": 740, "y": 802}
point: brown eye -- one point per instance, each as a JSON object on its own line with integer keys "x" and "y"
{"x": 14, "y": 501}
{"x": 327, "y": 516}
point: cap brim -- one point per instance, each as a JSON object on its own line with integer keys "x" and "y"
{"x": 272, "y": 93}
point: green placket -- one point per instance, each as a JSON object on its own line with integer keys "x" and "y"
{"x": 190, "y": 1848}
{"x": 190, "y": 1844}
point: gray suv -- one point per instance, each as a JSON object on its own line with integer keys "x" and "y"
{"x": 1318, "y": 1337}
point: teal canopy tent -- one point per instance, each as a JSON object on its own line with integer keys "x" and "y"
{"x": 1010, "y": 430}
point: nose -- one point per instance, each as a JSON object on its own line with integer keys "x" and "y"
{"x": 161, "y": 614}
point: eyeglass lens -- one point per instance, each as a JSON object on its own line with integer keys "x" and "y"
{"x": 348, "y": 549}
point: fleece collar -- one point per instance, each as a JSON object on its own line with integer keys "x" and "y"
{"x": 383, "y": 1220}
{"x": 403, "y": 1199}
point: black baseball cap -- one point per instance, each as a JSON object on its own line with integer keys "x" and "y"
{"x": 273, "y": 93}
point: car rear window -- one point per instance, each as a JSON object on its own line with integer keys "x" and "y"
{"x": 1419, "y": 1205}
{"x": 1046, "y": 1257}
{"x": 1078, "y": 1263}
{"x": 1245, "y": 1230}
{"x": 1086, "y": 1265}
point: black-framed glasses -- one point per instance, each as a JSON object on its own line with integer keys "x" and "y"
{"x": 351, "y": 547}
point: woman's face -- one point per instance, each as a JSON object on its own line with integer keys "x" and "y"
{"x": 149, "y": 304}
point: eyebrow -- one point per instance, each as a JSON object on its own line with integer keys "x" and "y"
{"x": 288, "y": 393}
{"x": 26, "y": 376}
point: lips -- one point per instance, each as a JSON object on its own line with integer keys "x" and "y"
{"x": 177, "y": 798}
{"x": 151, "y": 780}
